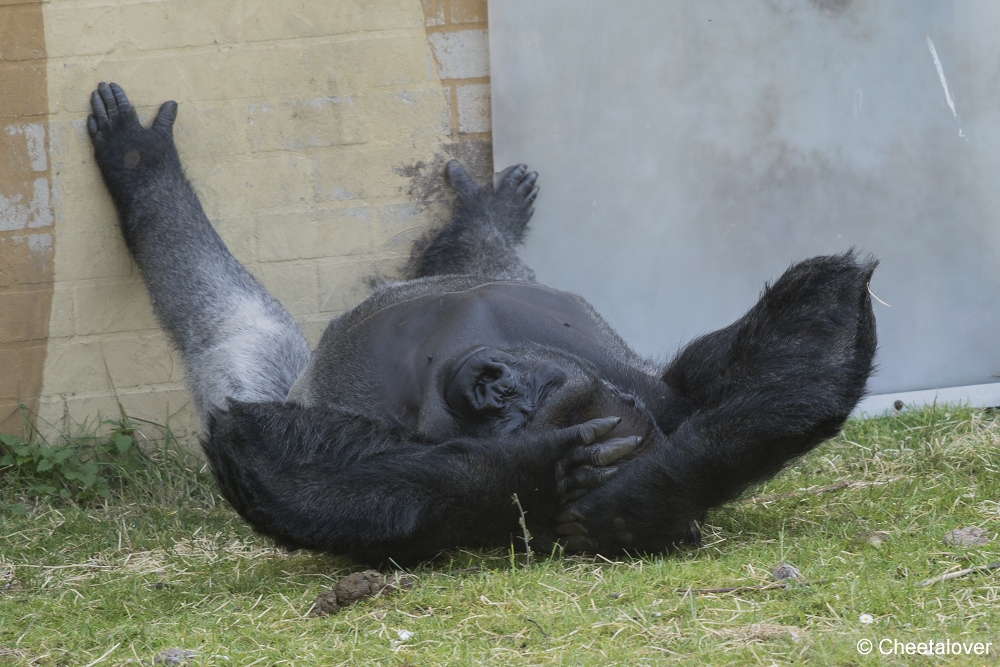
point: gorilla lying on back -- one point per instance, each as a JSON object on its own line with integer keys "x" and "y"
{"x": 427, "y": 407}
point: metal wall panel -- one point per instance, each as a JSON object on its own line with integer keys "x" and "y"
{"x": 690, "y": 150}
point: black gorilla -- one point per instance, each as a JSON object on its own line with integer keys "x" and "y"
{"x": 427, "y": 407}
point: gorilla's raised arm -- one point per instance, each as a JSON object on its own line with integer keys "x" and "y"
{"x": 237, "y": 341}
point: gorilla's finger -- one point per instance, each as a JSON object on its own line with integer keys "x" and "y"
{"x": 590, "y": 477}
{"x": 588, "y": 433}
{"x": 100, "y": 111}
{"x": 165, "y": 117}
{"x": 531, "y": 196}
{"x": 568, "y": 529}
{"x": 579, "y": 543}
{"x": 606, "y": 452}
{"x": 124, "y": 106}
{"x": 461, "y": 182}
{"x": 104, "y": 90}
{"x": 92, "y": 127}
{"x": 526, "y": 184}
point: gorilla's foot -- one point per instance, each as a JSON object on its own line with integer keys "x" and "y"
{"x": 511, "y": 204}
{"x": 508, "y": 207}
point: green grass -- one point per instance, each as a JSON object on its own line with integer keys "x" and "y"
{"x": 165, "y": 563}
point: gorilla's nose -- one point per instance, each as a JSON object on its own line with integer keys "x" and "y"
{"x": 482, "y": 383}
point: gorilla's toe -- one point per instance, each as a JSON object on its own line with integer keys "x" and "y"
{"x": 513, "y": 198}
{"x": 460, "y": 180}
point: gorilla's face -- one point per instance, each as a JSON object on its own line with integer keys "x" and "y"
{"x": 486, "y": 392}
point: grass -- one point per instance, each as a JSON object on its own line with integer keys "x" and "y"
{"x": 165, "y": 563}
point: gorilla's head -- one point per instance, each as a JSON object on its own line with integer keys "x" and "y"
{"x": 486, "y": 392}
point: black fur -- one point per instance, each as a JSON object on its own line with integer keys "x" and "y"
{"x": 427, "y": 407}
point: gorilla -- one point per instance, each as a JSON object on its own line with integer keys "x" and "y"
{"x": 425, "y": 409}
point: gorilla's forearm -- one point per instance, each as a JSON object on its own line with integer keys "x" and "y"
{"x": 315, "y": 478}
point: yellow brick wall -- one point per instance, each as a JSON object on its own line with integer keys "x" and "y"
{"x": 314, "y": 132}
{"x": 26, "y": 239}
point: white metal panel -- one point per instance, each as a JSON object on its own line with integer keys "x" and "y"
{"x": 690, "y": 150}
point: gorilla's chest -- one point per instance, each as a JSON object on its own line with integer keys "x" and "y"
{"x": 388, "y": 361}
{"x": 409, "y": 343}
{"x": 502, "y": 315}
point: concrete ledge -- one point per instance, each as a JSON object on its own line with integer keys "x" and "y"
{"x": 976, "y": 396}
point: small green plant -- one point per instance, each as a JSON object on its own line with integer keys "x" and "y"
{"x": 74, "y": 468}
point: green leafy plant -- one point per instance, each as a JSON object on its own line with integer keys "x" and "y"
{"x": 78, "y": 468}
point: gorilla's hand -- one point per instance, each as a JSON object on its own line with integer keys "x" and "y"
{"x": 581, "y": 470}
{"x": 129, "y": 155}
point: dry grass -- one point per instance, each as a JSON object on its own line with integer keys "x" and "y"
{"x": 167, "y": 565}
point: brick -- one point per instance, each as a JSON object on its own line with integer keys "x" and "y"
{"x": 20, "y": 366}
{"x": 474, "y": 113}
{"x": 391, "y": 14}
{"x": 399, "y": 226}
{"x": 62, "y": 323}
{"x": 461, "y": 55}
{"x": 25, "y": 204}
{"x": 306, "y": 123}
{"x": 110, "y": 306}
{"x": 295, "y": 19}
{"x": 352, "y": 173}
{"x": 324, "y": 233}
{"x": 24, "y": 312}
{"x": 22, "y": 36}
{"x": 128, "y": 361}
{"x": 294, "y": 284}
{"x": 468, "y": 11}
{"x": 22, "y": 151}
{"x": 150, "y": 78}
{"x": 377, "y": 60}
{"x": 339, "y": 68}
{"x": 60, "y": 412}
{"x": 23, "y": 95}
{"x": 344, "y": 283}
{"x": 210, "y": 132}
{"x": 434, "y": 12}
{"x": 404, "y": 117}
{"x": 11, "y": 419}
{"x": 98, "y": 251}
{"x": 244, "y": 186}
{"x": 240, "y": 236}
{"x": 87, "y": 29}
{"x": 79, "y": 367}
{"x": 25, "y": 259}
